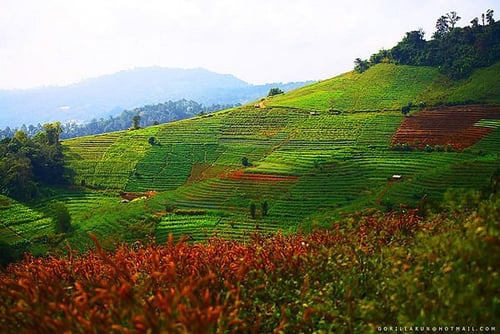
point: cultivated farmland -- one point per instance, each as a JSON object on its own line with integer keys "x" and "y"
{"x": 297, "y": 160}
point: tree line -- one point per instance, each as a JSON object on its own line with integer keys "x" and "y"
{"x": 27, "y": 163}
{"x": 149, "y": 115}
{"x": 454, "y": 50}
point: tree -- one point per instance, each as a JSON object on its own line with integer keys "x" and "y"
{"x": 489, "y": 16}
{"x": 442, "y": 27}
{"x": 411, "y": 49}
{"x": 60, "y": 215}
{"x": 361, "y": 65}
{"x": 475, "y": 22}
{"x": 405, "y": 110}
{"x": 52, "y": 132}
{"x": 152, "y": 140}
{"x": 446, "y": 23}
{"x": 136, "y": 121}
{"x": 274, "y": 91}
{"x": 253, "y": 210}
{"x": 264, "y": 206}
{"x": 245, "y": 162}
{"x": 453, "y": 18}
{"x": 16, "y": 176}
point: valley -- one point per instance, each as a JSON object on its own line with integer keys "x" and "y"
{"x": 311, "y": 166}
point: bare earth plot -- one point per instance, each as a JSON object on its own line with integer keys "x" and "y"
{"x": 457, "y": 126}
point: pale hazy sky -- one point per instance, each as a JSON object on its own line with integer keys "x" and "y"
{"x": 56, "y": 42}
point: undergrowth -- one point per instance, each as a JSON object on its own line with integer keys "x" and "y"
{"x": 361, "y": 275}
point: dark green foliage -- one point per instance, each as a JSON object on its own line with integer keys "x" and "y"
{"x": 8, "y": 254}
{"x": 245, "y": 162}
{"x": 361, "y": 65}
{"x": 61, "y": 217}
{"x": 401, "y": 147}
{"x": 405, "y": 110}
{"x": 150, "y": 115}
{"x": 136, "y": 121}
{"x": 253, "y": 210}
{"x": 429, "y": 148}
{"x": 24, "y": 162}
{"x": 152, "y": 140}
{"x": 456, "y": 51}
{"x": 274, "y": 91}
{"x": 264, "y": 206}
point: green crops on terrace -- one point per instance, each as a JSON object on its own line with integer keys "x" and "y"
{"x": 310, "y": 165}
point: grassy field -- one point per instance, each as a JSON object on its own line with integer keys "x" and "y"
{"x": 389, "y": 87}
{"x": 309, "y": 165}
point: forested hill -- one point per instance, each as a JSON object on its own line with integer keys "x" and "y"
{"x": 108, "y": 95}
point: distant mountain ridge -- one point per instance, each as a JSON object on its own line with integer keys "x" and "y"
{"x": 110, "y": 94}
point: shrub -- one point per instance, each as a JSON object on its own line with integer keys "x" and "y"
{"x": 264, "y": 206}
{"x": 253, "y": 210}
{"x": 61, "y": 217}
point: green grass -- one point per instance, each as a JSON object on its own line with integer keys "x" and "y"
{"x": 389, "y": 87}
{"x": 382, "y": 87}
{"x": 481, "y": 87}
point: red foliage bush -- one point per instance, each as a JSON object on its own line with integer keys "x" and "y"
{"x": 218, "y": 286}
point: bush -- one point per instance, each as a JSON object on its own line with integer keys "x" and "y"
{"x": 61, "y": 217}
{"x": 253, "y": 210}
{"x": 264, "y": 206}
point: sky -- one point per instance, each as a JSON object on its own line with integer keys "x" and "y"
{"x": 59, "y": 42}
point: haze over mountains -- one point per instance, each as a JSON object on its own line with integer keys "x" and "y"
{"x": 110, "y": 94}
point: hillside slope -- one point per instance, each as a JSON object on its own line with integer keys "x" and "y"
{"x": 290, "y": 165}
{"x": 389, "y": 87}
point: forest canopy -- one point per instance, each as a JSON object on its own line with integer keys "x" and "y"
{"x": 26, "y": 163}
{"x": 454, "y": 50}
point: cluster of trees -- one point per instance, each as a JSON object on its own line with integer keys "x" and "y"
{"x": 26, "y": 163}
{"x": 275, "y": 91}
{"x": 264, "y": 209}
{"x": 149, "y": 115}
{"x": 456, "y": 51}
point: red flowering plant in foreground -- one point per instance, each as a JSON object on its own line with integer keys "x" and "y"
{"x": 327, "y": 280}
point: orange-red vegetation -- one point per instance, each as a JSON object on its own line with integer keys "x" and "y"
{"x": 242, "y": 175}
{"x": 265, "y": 284}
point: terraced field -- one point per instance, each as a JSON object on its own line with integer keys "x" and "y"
{"x": 459, "y": 127}
{"x": 307, "y": 164}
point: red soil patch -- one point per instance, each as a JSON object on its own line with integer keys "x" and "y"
{"x": 447, "y": 125}
{"x": 241, "y": 175}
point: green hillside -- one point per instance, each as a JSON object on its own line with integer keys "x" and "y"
{"x": 307, "y": 165}
{"x": 389, "y": 87}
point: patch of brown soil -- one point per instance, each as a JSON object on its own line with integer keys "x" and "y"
{"x": 446, "y": 125}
